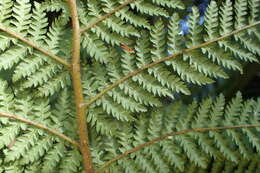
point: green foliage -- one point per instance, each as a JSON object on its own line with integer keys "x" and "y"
{"x": 139, "y": 109}
{"x": 25, "y": 148}
{"x": 29, "y": 68}
{"x": 200, "y": 66}
{"x": 173, "y": 153}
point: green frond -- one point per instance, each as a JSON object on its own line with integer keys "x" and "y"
{"x": 6, "y": 98}
{"x": 241, "y": 15}
{"x": 139, "y": 94}
{"x": 37, "y": 151}
{"x": 239, "y": 52}
{"x": 21, "y": 20}
{"x": 135, "y": 65}
{"x": 254, "y": 11}
{"x": 195, "y": 30}
{"x": 117, "y": 26}
{"x": 25, "y": 145}
{"x": 116, "y": 110}
{"x": 6, "y": 11}
{"x": 22, "y": 16}
{"x": 211, "y": 26}
{"x": 60, "y": 81}
{"x": 115, "y": 23}
{"x": 188, "y": 74}
{"x": 174, "y": 39}
{"x": 182, "y": 68}
{"x": 21, "y": 144}
{"x": 198, "y": 66}
{"x": 211, "y": 20}
{"x": 11, "y": 57}
{"x": 122, "y": 26}
{"x": 160, "y": 72}
{"x": 129, "y": 16}
{"x": 28, "y": 64}
{"x": 101, "y": 122}
{"x": 202, "y": 65}
{"x": 241, "y": 12}
{"x": 226, "y": 20}
{"x": 41, "y": 76}
{"x": 64, "y": 113}
{"x": 148, "y": 8}
{"x": 28, "y": 67}
{"x": 103, "y": 30}
{"x": 112, "y": 104}
{"x": 95, "y": 47}
{"x": 105, "y": 34}
{"x": 57, "y": 6}
{"x": 71, "y": 162}
{"x": 152, "y": 85}
{"x": 170, "y": 4}
{"x": 200, "y": 149}
{"x": 127, "y": 103}
{"x": 53, "y": 157}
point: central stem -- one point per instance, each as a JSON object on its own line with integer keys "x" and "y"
{"x": 78, "y": 91}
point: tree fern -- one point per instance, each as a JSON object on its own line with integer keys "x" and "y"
{"x": 96, "y": 86}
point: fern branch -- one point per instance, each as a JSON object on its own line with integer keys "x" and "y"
{"x": 78, "y": 91}
{"x": 151, "y": 142}
{"x": 140, "y": 70}
{"x": 104, "y": 17}
{"x": 40, "y": 126}
{"x": 45, "y": 52}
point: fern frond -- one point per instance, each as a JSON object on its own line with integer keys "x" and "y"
{"x": 25, "y": 145}
{"x": 57, "y": 6}
{"x": 164, "y": 76}
{"x": 64, "y": 113}
{"x": 148, "y": 8}
{"x": 31, "y": 22}
{"x": 124, "y": 24}
{"x": 170, "y": 4}
{"x": 6, "y": 10}
{"x": 199, "y": 59}
{"x": 71, "y": 162}
{"x": 197, "y": 148}
{"x": 22, "y": 16}
{"x": 28, "y": 67}
{"x": 6, "y": 13}
{"x": 60, "y": 81}
{"x": 241, "y": 9}
{"x": 134, "y": 63}
{"x": 215, "y": 53}
{"x": 53, "y": 158}
{"x": 95, "y": 48}
{"x": 129, "y": 16}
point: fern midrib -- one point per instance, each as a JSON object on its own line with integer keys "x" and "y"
{"x": 81, "y": 106}
{"x": 31, "y": 44}
{"x": 104, "y": 17}
{"x": 78, "y": 90}
{"x": 40, "y": 126}
{"x": 182, "y": 132}
{"x": 140, "y": 70}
